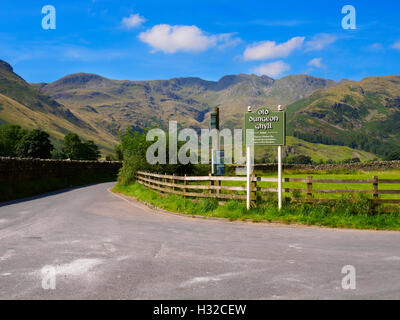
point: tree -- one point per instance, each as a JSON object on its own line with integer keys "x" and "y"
{"x": 35, "y": 144}
{"x": 89, "y": 151}
{"x": 57, "y": 154}
{"x": 300, "y": 159}
{"x": 10, "y": 135}
{"x": 119, "y": 152}
{"x": 72, "y": 146}
{"x": 134, "y": 146}
{"x": 75, "y": 149}
{"x": 394, "y": 155}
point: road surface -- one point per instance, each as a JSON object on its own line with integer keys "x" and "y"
{"x": 102, "y": 246}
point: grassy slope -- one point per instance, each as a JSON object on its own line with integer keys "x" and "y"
{"x": 316, "y": 151}
{"x": 13, "y": 112}
{"x": 319, "y": 151}
{"x": 23, "y": 104}
{"x": 369, "y": 107}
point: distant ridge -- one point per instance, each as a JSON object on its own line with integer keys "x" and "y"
{"x": 141, "y": 104}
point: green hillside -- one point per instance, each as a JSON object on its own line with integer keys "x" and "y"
{"x": 21, "y": 103}
{"x": 317, "y": 151}
{"x": 363, "y": 115}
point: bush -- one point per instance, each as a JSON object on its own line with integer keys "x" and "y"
{"x": 134, "y": 146}
{"x": 353, "y": 160}
{"x": 300, "y": 159}
{"x": 394, "y": 155}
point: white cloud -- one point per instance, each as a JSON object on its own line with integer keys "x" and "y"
{"x": 376, "y": 46}
{"x": 320, "y": 41}
{"x": 133, "y": 21}
{"x": 171, "y": 39}
{"x": 396, "y": 46}
{"x": 272, "y": 69}
{"x": 226, "y": 40}
{"x": 270, "y": 50}
{"x": 316, "y": 62}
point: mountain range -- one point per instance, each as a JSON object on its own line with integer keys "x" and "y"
{"x": 117, "y": 104}
{"x": 341, "y": 116}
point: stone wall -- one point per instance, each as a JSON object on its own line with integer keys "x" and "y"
{"x": 357, "y": 166}
{"x": 21, "y": 177}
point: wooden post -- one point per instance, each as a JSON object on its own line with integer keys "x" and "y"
{"x": 309, "y": 188}
{"x": 279, "y": 177}
{"x": 248, "y": 185}
{"x": 375, "y": 193}
{"x": 163, "y": 186}
{"x": 184, "y": 189}
{"x": 173, "y": 181}
{"x": 375, "y": 187}
{"x": 253, "y": 189}
{"x": 210, "y": 183}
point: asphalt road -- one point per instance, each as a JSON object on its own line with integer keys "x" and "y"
{"x": 101, "y": 246}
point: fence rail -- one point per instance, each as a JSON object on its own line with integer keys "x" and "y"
{"x": 213, "y": 187}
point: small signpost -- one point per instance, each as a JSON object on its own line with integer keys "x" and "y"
{"x": 269, "y": 129}
{"x": 219, "y": 164}
{"x": 217, "y": 156}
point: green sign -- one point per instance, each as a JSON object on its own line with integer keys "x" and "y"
{"x": 269, "y": 127}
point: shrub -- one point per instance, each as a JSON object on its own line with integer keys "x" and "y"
{"x": 300, "y": 159}
{"x": 134, "y": 146}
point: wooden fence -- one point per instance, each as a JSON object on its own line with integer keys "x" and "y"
{"x": 212, "y": 187}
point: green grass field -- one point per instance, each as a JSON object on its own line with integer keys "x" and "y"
{"x": 393, "y": 174}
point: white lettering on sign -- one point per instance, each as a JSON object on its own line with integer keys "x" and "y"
{"x": 264, "y": 119}
{"x": 263, "y": 112}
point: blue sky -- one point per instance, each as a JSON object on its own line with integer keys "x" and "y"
{"x": 145, "y": 40}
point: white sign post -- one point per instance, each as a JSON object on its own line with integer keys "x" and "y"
{"x": 212, "y": 161}
{"x": 279, "y": 177}
{"x": 248, "y": 159}
{"x": 279, "y": 172}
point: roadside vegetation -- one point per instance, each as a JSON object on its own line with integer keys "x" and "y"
{"x": 134, "y": 147}
{"x": 340, "y": 214}
{"x": 346, "y": 211}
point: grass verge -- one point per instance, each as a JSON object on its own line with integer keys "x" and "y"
{"x": 340, "y": 214}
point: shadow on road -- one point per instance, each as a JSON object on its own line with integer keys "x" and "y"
{"x": 2, "y": 204}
